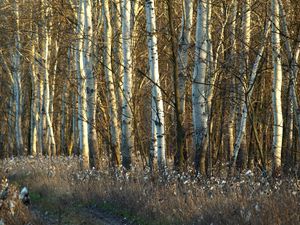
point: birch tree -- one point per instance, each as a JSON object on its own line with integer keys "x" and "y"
{"x": 242, "y": 82}
{"x": 200, "y": 116}
{"x": 127, "y": 144}
{"x": 46, "y": 94}
{"x": 158, "y": 120}
{"x": 230, "y": 60}
{"x": 17, "y": 86}
{"x": 117, "y": 50}
{"x": 113, "y": 113}
{"x": 82, "y": 85}
{"x": 276, "y": 91}
{"x": 34, "y": 100}
{"x": 91, "y": 82}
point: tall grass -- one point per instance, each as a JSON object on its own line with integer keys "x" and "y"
{"x": 149, "y": 198}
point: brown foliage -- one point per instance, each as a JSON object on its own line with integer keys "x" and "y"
{"x": 12, "y": 210}
{"x": 169, "y": 198}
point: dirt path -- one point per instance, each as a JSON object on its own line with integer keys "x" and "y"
{"x": 79, "y": 216}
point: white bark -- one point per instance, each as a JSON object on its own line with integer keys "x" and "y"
{"x": 153, "y": 145}
{"x": 200, "y": 116}
{"x": 243, "y": 79}
{"x": 52, "y": 92}
{"x": 78, "y": 73}
{"x": 83, "y": 61}
{"x": 117, "y": 51}
{"x": 277, "y": 85}
{"x": 46, "y": 95}
{"x": 127, "y": 115}
{"x": 113, "y": 113}
{"x": 158, "y": 120}
{"x": 16, "y": 65}
{"x": 91, "y": 82}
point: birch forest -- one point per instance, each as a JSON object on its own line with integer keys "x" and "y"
{"x": 149, "y": 112}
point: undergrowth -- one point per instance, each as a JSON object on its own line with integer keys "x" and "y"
{"x": 150, "y": 199}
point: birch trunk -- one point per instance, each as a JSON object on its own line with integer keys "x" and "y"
{"x": 114, "y": 127}
{"x": 276, "y": 91}
{"x": 200, "y": 116}
{"x": 82, "y": 104}
{"x": 158, "y": 110}
{"x": 127, "y": 115}
{"x": 46, "y": 95}
{"x": 52, "y": 92}
{"x": 231, "y": 64}
{"x": 34, "y": 101}
{"x": 16, "y": 65}
{"x": 244, "y": 62}
{"x": 91, "y": 84}
{"x": 153, "y": 146}
{"x": 117, "y": 52}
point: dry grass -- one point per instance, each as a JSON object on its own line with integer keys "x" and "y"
{"x": 12, "y": 210}
{"x": 151, "y": 199}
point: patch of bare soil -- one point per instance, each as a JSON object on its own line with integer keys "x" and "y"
{"x": 78, "y": 216}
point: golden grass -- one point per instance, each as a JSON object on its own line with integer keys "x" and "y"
{"x": 157, "y": 199}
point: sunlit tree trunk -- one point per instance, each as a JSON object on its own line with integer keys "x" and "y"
{"x": 91, "y": 83}
{"x": 34, "y": 100}
{"x": 16, "y": 72}
{"x": 54, "y": 73}
{"x": 231, "y": 59}
{"x": 242, "y": 82}
{"x": 158, "y": 110}
{"x": 157, "y": 104}
{"x": 127, "y": 115}
{"x": 113, "y": 113}
{"x": 117, "y": 51}
{"x": 276, "y": 91}
{"x": 46, "y": 95}
{"x": 200, "y": 116}
{"x": 82, "y": 85}
{"x": 153, "y": 146}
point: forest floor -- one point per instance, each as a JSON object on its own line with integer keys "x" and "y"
{"x": 75, "y": 215}
{"x": 62, "y": 194}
